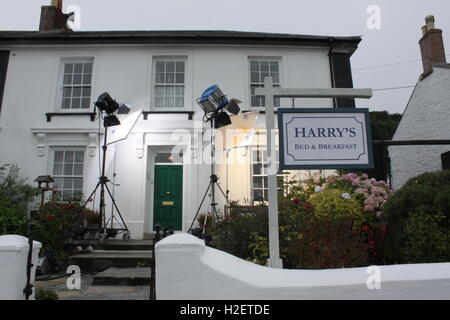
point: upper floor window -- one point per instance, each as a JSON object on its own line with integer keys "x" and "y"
{"x": 169, "y": 83}
{"x": 76, "y": 84}
{"x": 259, "y": 69}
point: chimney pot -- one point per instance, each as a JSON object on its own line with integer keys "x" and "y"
{"x": 57, "y": 4}
{"x": 424, "y": 30}
{"x": 430, "y": 21}
{"x": 431, "y": 46}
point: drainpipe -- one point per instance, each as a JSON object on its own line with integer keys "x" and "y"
{"x": 330, "y": 58}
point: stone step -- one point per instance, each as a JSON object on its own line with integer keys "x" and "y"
{"x": 97, "y": 260}
{"x": 115, "y": 244}
{"x": 123, "y": 277}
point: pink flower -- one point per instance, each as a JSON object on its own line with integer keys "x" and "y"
{"x": 364, "y": 176}
{"x": 369, "y": 208}
{"x": 329, "y": 180}
{"x": 378, "y": 214}
{"x": 296, "y": 200}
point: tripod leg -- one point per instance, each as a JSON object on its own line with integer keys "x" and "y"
{"x": 93, "y": 192}
{"x": 115, "y": 206}
{"x": 223, "y": 193}
{"x": 200, "y": 206}
{"x": 86, "y": 202}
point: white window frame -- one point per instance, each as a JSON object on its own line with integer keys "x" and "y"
{"x": 279, "y": 60}
{"x": 263, "y": 174}
{"x": 169, "y": 58}
{"x": 61, "y": 85}
{"x": 51, "y": 165}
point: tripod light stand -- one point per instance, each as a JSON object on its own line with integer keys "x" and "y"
{"x": 215, "y": 104}
{"x": 110, "y": 111}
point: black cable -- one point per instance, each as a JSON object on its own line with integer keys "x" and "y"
{"x": 393, "y": 88}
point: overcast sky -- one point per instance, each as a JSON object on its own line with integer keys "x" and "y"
{"x": 394, "y": 45}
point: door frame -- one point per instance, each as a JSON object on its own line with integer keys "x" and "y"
{"x": 151, "y": 151}
{"x": 182, "y": 190}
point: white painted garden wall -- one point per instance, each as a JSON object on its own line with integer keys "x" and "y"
{"x": 187, "y": 269}
{"x": 13, "y": 266}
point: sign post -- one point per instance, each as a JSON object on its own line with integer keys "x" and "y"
{"x": 270, "y": 93}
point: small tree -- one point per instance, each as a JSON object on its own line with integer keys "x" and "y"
{"x": 15, "y": 197}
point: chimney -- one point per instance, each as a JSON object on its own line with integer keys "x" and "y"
{"x": 431, "y": 46}
{"x": 52, "y": 17}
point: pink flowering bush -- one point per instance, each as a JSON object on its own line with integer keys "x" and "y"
{"x": 372, "y": 194}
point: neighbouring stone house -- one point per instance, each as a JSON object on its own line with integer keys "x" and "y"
{"x": 49, "y": 80}
{"x": 427, "y": 115}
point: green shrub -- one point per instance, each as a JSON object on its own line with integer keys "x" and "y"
{"x": 15, "y": 197}
{"x": 330, "y": 203}
{"x": 46, "y": 295}
{"x": 418, "y": 218}
{"x": 328, "y": 243}
{"x": 307, "y": 240}
{"x": 235, "y": 233}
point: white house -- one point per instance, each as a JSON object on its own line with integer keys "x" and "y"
{"x": 427, "y": 115}
{"x": 50, "y": 79}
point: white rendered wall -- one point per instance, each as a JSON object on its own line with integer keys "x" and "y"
{"x": 31, "y": 91}
{"x": 13, "y": 266}
{"x": 426, "y": 117}
{"x": 188, "y": 270}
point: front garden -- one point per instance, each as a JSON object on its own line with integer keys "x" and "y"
{"x": 53, "y": 224}
{"x": 347, "y": 220}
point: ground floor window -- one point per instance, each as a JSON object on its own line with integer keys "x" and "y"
{"x": 67, "y": 171}
{"x": 259, "y": 176}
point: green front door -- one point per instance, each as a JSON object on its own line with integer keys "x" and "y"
{"x": 168, "y": 196}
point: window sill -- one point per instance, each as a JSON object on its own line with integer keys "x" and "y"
{"x": 49, "y": 116}
{"x": 189, "y": 113}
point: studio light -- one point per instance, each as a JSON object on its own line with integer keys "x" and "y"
{"x": 107, "y": 104}
{"x": 216, "y": 105}
{"x": 222, "y": 120}
{"x": 233, "y": 106}
{"x": 123, "y": 118}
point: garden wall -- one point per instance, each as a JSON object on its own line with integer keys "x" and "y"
{"x": 187, "y": 269}
{"x": 13, "y": 266}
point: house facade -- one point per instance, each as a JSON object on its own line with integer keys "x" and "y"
{"x": 427, "y": 114}
{"x": 50, "y": 79}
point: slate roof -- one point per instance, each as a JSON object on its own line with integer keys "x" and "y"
{"x": 209, "y": 37}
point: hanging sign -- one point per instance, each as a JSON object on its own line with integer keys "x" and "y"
{"x": 324, "y": 139}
